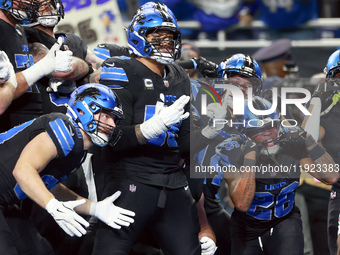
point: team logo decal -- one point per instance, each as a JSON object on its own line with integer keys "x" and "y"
{"x": 132, "y": 188}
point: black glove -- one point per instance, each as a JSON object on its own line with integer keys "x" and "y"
{"x": 325, "y": 91}
{"x": 250, "y": 146}
{"x": 206, "y": 67}
{"x": 293, "y": 137}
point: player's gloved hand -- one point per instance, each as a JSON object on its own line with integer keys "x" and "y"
{"x": 217, "y": 114}
{"x": 325, "y": 89}
{"x": 329, "y": 94}
{"x": 250, "y": 146}
{"x": 112, "y": 215}
{"x": 208, "y": 246}
{"x": 206, "y": 67}
{"x": 293, "y": 137}
{"x": 6, "y": 70}
{"x": 54, "y": 61}
{"x": 164, "y": 118}
{"x": 63, "y": 61}
{"x": 63, "y": 213}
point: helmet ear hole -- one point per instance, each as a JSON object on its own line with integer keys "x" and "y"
{"x": 80, "y": 112}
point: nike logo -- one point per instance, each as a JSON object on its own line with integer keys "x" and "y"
{"x": 253, "y": 145}
{"x": 108, "y": 64}
{"x": 186, "y": 187}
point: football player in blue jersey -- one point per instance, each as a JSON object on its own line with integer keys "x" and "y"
{"x": 242, "y": 71}
{"x": 37, "y": 155}
{"x": 153, "y": 137}
{"x": 267, "y": 171}
{"x": 41, "y": 36}
{"x": 16, "y": 47}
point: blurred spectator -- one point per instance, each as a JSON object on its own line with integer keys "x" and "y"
{"x": 283, "y": 18}
{"x": 189, "y": 51}
{"x": 274, "y": 57}
{"x": 213, "y": 15}
{"x": 329, "y": 8}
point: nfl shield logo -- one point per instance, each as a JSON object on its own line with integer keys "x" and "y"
{"x": 132, "y": 188}
{"x": 166, "y": 83}
{"x": 333, "y": 194}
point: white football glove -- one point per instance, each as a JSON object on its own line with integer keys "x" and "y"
{"x": 54, "y": 61}
{"x": 217, "y": 114}
{"x": 164, "y": 118}
{"x": 208, "y": 246}
{"x": 63, "y": 61}
{"x": 6, "y": 70}
{"x": 112, "y": 215}
{"x": 66, "y": 217}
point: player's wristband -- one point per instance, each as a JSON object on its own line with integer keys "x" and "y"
{"x": 309, "y": 141}
{"x": 316, "y": 152}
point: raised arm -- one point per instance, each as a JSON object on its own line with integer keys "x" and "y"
{"x": 78, "y": 69}
{"x": 319, "y": 163}
{"x": 55, "y": 61}
{"x": 242, "y": 184}
{"x": 241, "y": 174}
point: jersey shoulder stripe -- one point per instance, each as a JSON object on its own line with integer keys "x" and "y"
{"x": 63, "y": 135}
{"x": 113, "y": 74}
{"x": 102, "y": 53}
{"x": 13, "y": 131}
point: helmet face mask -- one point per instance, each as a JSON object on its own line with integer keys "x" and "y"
{"x": 46, "y": 13}
{"x": 87, "y": 105}
{"x": 263, "y": 129}
{"x": 164, "y": 46}
{"x": 332, "y": 68}
{"x": 267, "y": 136}
{"x": 242, "y": 65}
{"x": 21, "y": 10}
{"x": 148, "y": 22}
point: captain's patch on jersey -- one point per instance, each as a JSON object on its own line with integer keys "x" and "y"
{"x": 148, "y": 84}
